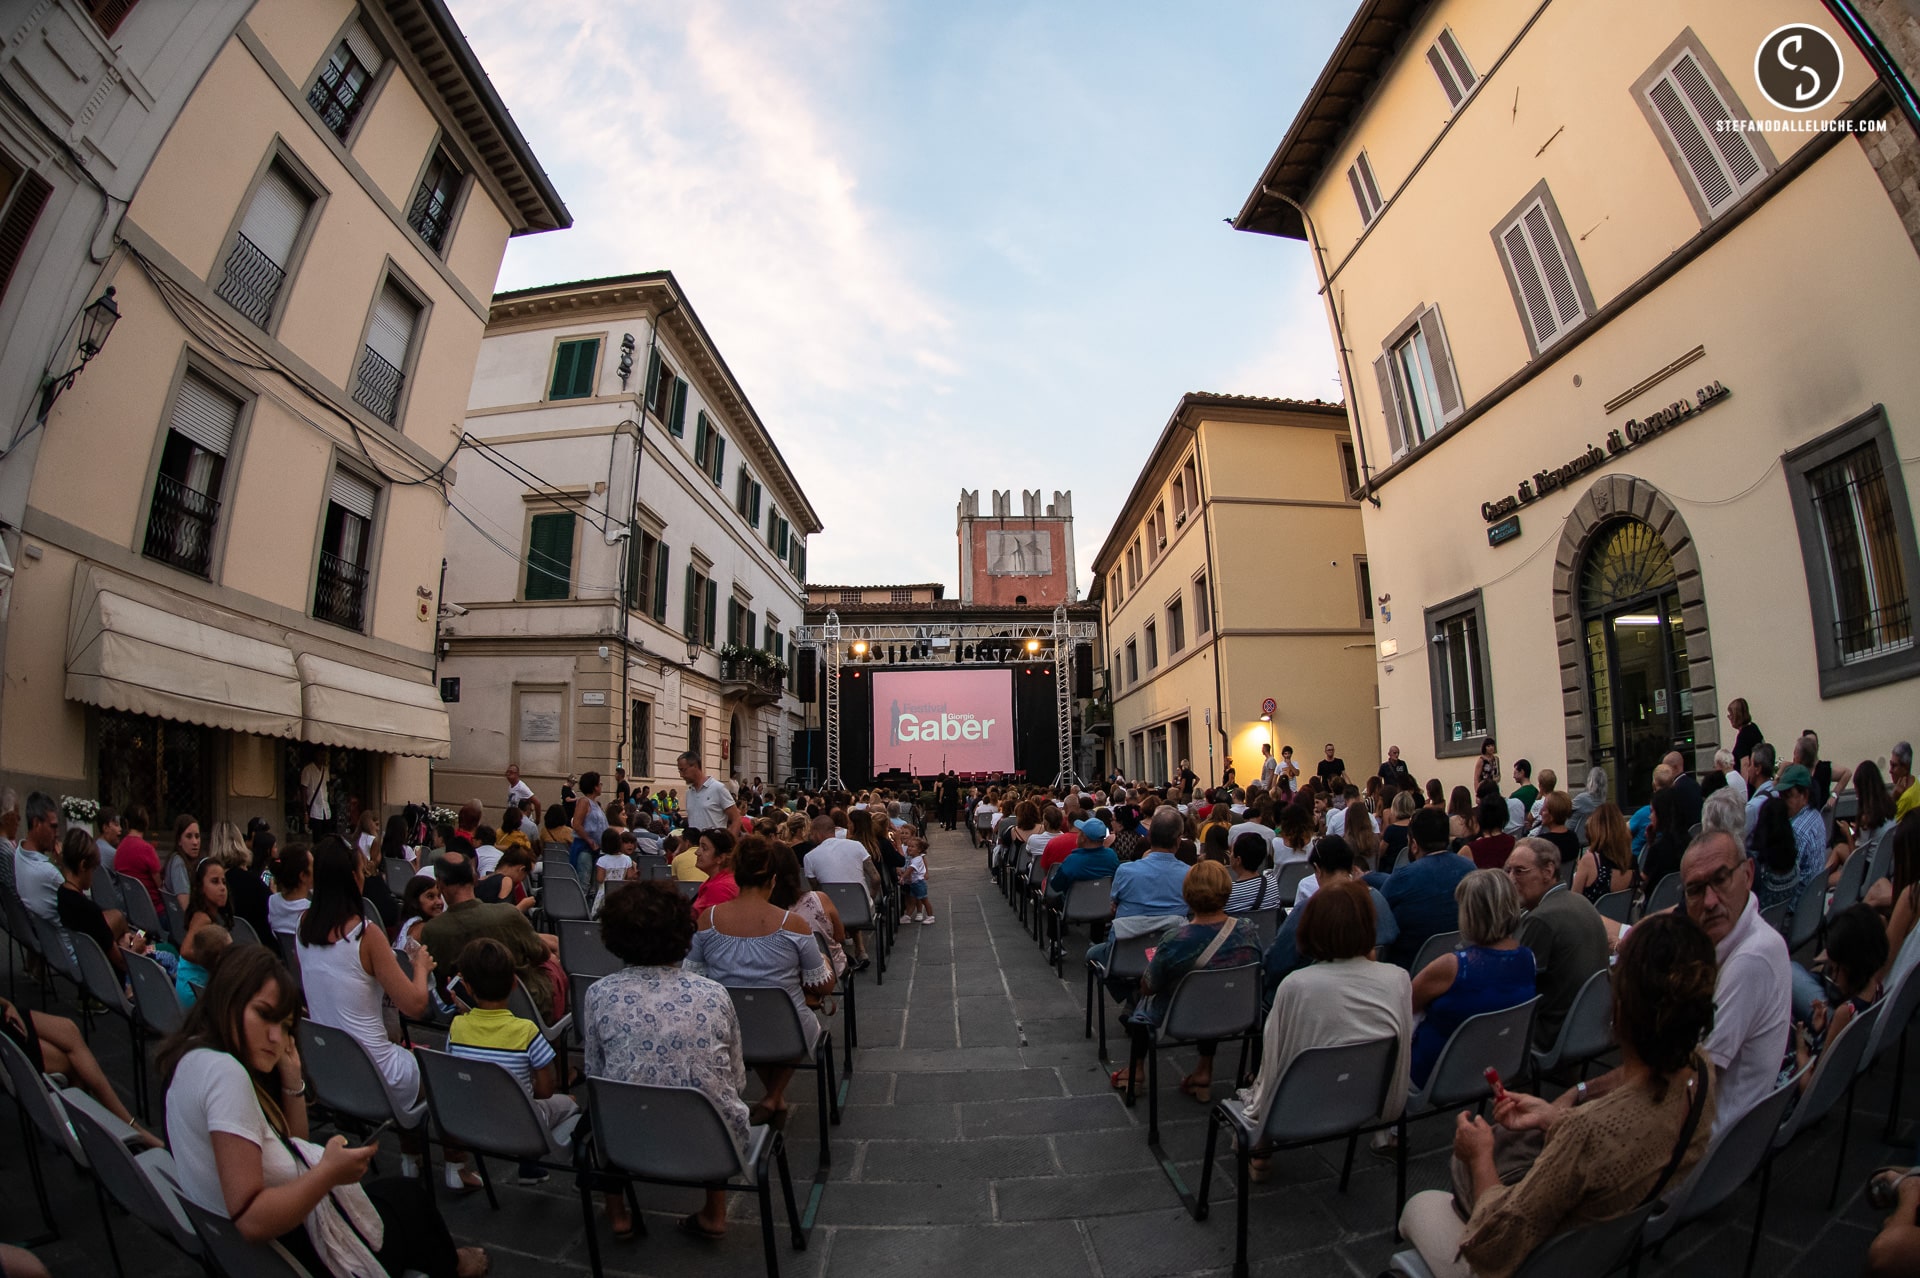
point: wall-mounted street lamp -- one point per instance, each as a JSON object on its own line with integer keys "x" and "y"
{"x": 96, "y": 325}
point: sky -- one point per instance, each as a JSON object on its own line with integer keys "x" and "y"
{"x": 941, "y": 246}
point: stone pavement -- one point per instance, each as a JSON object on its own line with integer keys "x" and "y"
{"x": 980, "y": 1137}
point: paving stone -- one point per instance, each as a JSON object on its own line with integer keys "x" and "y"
{"x": 942, "y": 1161}
{"x": 906, "y": 1204}
{"x": 1051, "y": 1248}
{"x": 976, "y": 1085}
{"x": 1063, "y": 1114}
{"x": 1080, "y": 1197}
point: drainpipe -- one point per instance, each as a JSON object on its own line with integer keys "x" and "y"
{"x": 1848, "y": 15}
{"x": 1213, "y": 611}
{"x": 633, "y": 503}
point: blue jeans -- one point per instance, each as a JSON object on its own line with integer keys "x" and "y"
{"x": 581, "y": 854}
{"x": 1806, "y": 988}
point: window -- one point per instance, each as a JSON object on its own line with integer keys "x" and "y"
{"x": 1133, "y": 565}
{"x": 1366, "y": 586}
{"x": 573, "y": 367}
{"x": 432, "y": 211}
{"x": 1548, "y": 287}
{"x": 186, "y": 493}
{"x": 1457, "y": 669}
{"x": 340, "y": 89}
{"x": 746, "y": 499}
{"x": 390, "y": 328}
{"x": 900, "y": 595}
{"x": 776, "y": 642}
{"x": 1418, "y": 389}
{"x": 1450, "y": 64}
{"x": 740, "y": 624}
{"x": 1152, "y": 636}
{"x": 695, "y": 735}
{"x": 1189, "y": 490}
{"x": 640, "y": 741}
{"x": 1688, "y": 103}
{"x": 1139, "y": 740}
{"x": 797, "y": 560}
{"x": 1113, "y": 671}
{"x": 1114, "y": 593}
{"x": 340, "y": 586}
{"x": 1157, "y": 527}
{"x": 1133, "y": 662}
{"x": 647, "y": 575}
{"x": 709, "y": 447}
{"x": 1176, "y": 628}
{"x": 702, "y": 602}
{"x": 1202, "y": 606}
{"x": 666, "y": 396}
{"x": 1857, "y": 539}
{"x": 849, "y": 596}
{"x": 25, "y": 194}
{"x": 1350, "y": 470}
{"x": 779, "y": 534}
{"x": 109, "y": 14}
{"x": 550, "y": 555}
{"x": 263, "y": 247}
{"x": 1366, "y": 192}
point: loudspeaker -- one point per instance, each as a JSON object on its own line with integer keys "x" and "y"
{"x": 809, "y": 677}
{"x": 1083, "y": 670}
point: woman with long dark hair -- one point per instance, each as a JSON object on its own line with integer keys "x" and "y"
{"x": 589, "y": 822}
{"x": 208, "y": 902}
{"x": 1666, "y": 838}
{"x": 1778, "y": 853}
{"x": 184, "y": 858}
{"x": 237, "y": 1125}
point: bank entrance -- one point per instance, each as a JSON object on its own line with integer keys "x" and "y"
{"x": 1641, "y": 701}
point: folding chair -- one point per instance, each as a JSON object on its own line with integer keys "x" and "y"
{"x": 1126, "y": 964}
{"x": 106, "y": 890}
{"x": 1834, "y": 1075}
{"x": 1778, "y": 917}
{"x": 561, "y": 897}
{"x": 855, "y": 908}
{"x": 20, "y": 935}
{"x": 1587, "y": 1031}
{"x": 1665, "y": 895}
{"x": 1085, "y": 901}
{"x": 688, "y": 890}
{"x": 139, "y": 906}
{"x": 1290, "y": 876}
{"x": 243, "y": 933}
{"x": 399, "y": 876}
{"x": 1492, "y": 1040}
{"x": 1267, "y": 923}
{"x": 1212, "y": 1003}
{"x": 1436, "y": 945}
{"x": 1326, "y": 1093}
{"x": 154, "y": 997}
{"x": 655, "y": 869}
{"x": 520, "y": 1003}
{"x": 104, "y": 985}
{"x": 845, "y": 989}
{"x": 40, "y": 1119}
{"x": 1617, "y": 906}
{"x": 345, "y": 1080}
{"x": 582, "y": 953}
{"x": 1853, "y": 881}
{"x": 675, "y": 1136}
{"x": 1882, "y": 863}
{"x": 771, "y": 1033}
{"x": 56, "y": 952}
{"x": 1809, "y": 915}
{"x": 143, "y": 1184}
{"x": 1729, "y": 1162}
{"x": 289, "y": 943}
{"x": 176, "y": 917}
{"x": 1592, "y": 1252}
{"x": 1899, "y": 1004}
{"x": 227, "y": 1255}
{"x": 480, "y": 1107}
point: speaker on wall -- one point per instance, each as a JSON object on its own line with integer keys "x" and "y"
{"x": 809, "y": 678}
{"x": 1083, "y": 670}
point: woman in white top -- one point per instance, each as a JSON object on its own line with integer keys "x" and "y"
{"x": 292, "y": 885}
{"x": 237, "y": 1124}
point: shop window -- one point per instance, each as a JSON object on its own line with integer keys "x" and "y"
{"x": 164, "y": 766}
{"x": 1458, "y": 672}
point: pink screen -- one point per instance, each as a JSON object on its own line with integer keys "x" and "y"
{"x": 927, "y": 721}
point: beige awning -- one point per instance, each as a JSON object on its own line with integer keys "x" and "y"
{"x": 366, "y": 710}
{"x": 135, "y": 647}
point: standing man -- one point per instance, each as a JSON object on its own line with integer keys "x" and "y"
{"x": 313, "y": 794}
{"x": 1332, "y": 766}
{"x": 518, "y": 791}
{"x": 710, "y": 805}
{"x": 1393, "y": 769}
{"x": 1188, "y": 778}
{"x": 1269, "y": 767}
{"x": 949, "y": 799}
{"x": 1687, "y": 789}
{"x": 1288, "y": 768}
{"x": 1226, "y": 773}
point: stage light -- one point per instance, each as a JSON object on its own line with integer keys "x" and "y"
{"x": 1033, "y": 645}
{"x": 859, "y": 647}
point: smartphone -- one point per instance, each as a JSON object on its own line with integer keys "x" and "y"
{"x": 373, "y": 1136}
{"x": 1493, "y": 1081}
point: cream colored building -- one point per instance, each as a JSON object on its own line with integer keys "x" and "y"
{"x": 1629, "y": 348}
{"x": 1234, "y": 575}
{"x": 619, "y": 463}
{"x": 227, "y": 533}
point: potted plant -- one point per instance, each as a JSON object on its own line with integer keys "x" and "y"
{"x": 79, "y": 812}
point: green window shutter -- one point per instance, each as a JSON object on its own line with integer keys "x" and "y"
{"x": 802, "y": 574}
{"x": 713, "y": 607}
{"x": 700, "y": 432}
{"x": 751, "y": 636}
{"x": 773, "y": 532}
{"x": 550, "y": 556}
{"x": 692, "y": 624}
{"x": 740, "y": 492}
{"x": 653, "y": 373}
{"x": 573, "y": 369}
{"x": 719, "y": 456}
{"x": 635, "y": 552}
{"x": 733, "y": 619}
{"x": 753, "y": 515}
{"x": 659, "y": 601}
{"x": 677, "y": 412}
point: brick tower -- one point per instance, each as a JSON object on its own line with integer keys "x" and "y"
{"x": 1010, "y": 560}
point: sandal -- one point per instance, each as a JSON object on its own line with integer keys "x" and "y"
{"x": 690, "y": 1225}
{"x": 1118, "y": 1079}
{"x": 1201, "y": 1093}
{"x": 474, "y": 1262}
{"x": 621, "y": 1223}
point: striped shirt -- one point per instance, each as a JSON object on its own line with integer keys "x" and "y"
{"x": 498, "y": 1036}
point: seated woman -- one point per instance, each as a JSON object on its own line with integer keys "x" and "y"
{"x": 1332, "y": 862}
{"x": 714, "y": 859}
{"x": 237, "y": 1124}
{"x": 1555, "y": 810}
{"x": 749, "y": 942}
{"x": 1490, "y": 971}
{"x": 1776, "y": 854}
{"x": 1856, "y": 951}
{"x": 658, "y": 1024}
{"x": 1253, "y": 889}
{"x": 1609, "y": 1155}
{"x": 292, "y": 885}
{"x": 55, "y": 1045}
{"x": 1211, "y": 938}
{"x": 790, "y": 892}
{"x": 1493, "y": 845}
{"x": 1343, "y": 997}
{"x": 207, "y": 903}
{"x": 1608, "y": 864}
{"x": 80, "y": 914}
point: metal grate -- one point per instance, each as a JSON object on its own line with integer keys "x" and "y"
{"x": 1872, "y": 613}
{"x": 377, "y": 387}
{"x": 340, "y": 594}
{"x": 251, "y": 281}
{"x": 1626, "y": 561}
{"x": 339, "y": 93}
{"x": 180, "y": 526}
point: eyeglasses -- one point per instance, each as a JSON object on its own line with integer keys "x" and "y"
{"x": 1697, "y": 891}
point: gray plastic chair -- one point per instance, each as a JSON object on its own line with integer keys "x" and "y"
{"x": 654, "y": 868}
{"x": 1882, "y": 864}
{"x": 1126, "y": 964}
{"x": 1852, "y": 882}
{"x": 1085, "y": 901}
{"x": 176, "y": 917}
{"x": 56, "y": 950}
{"x": 521, "y": 1004}
{"x": 1211, "y": 1004}
{"x": 855, "y": 908}
{"x": 1267, "y": 924}
{"x": 1326, "y": 1093}
{"x": 1289, "y": 879}
{"x": 1809, "y": 914}
{"x": 345, "y": 1080}
{"x": 399, "y": 875}
{"x": 687, "y": 889}
{"x": 228, "y": 1255}
{"x": 1587, "y": 1031}
{"x": 1434, "y": 946}
{"x": 139, "y": 907}
{"x": 154, "y": 996}
{"x": 106, "y": 890}
{"x": 243, "y": 933}
{"x": 561, "y": 897}
{"x": 1835, "y": 1073}
{"x": 20, "y": 933}
{"x": 1665, "y": 895}
{"x": 1592, "y": 1252}
{"x": 480, "y": 1107}
{"x": 41, "y": 1119}
{"x": 1617, "y": 906}
{"x": 1729, "y": 1162}
{"x": 771, "y": 1033}
{"x": 675, "y": 1136}
{"x": 142, "y": 1184}
{"x": 103, "y": 984}
{"x": 1498, "y": 1040}
{"x": 582, "y": 953}
{"x": 1890, "y": 1030}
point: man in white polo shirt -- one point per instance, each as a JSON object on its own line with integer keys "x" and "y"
{"x": 839, "y": 860}
{"x": 709, "y": 804}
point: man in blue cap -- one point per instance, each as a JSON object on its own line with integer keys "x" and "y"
{"x": 1092, "y": 861}
{"x": 1809, "y": 826}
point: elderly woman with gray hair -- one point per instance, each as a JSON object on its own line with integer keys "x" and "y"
{"x": 1491, "y": 971}
{"x": 1588, "y": 801}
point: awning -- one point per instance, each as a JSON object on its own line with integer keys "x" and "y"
{"x": 133, "y": 646}
{"x": 365, "y": 710}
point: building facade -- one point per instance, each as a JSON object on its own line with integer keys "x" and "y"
{"x": 627, "y": 551}
{"x": 226, "y": 530}
{"x": 1233, "y": 576}
{"x": 1551, "y": 238}
{"x": 1017, "y": 560}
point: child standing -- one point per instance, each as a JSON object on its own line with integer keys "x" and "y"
{"x": 916, "y": 881}
{"x": 492, "y": 1033}
{"x": 613, "y": 865}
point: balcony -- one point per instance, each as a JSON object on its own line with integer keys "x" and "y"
{"x": 336, "y": 97}
{"x": 377, "y": 387}
{"x": 429, "y": 216}
{"x": 251, "y": 281}
{"x": 180, "y": 526}
{"x": 759, "y": 682}
{"x": 340, "y": 594}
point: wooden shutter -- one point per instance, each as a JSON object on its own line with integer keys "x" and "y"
{"x": 692, "y": 619}
{"x": 713, "y": 606}
{"x": 1442, "y": 357}
{"x": 719, "y": 456}
{"x": 1390, "y": 402}
{"x": 550, "y": 556}
{"x": 677, "y": 413}
{"x": 752, "y": 629}
{"x": 352, "y": 493}
{"x": 1724, "y": 165}
{"x": 733, "y": 621}
{"x": 29, "y": 199}
{"x": 573, "y": 369}
{"x": 1366, "y": 192}
{"x": 390, "y": 331}
{"x": 1448, "y": 85}
{"x": 660, "y": 584}
{"x": 653, "y": 375}
{"x": 700, "y": 431}
{"x": 740, "y": 492}
{"x": 1541, "y": 269}
{"x": 274, "y": 218}
{"x": 1449, "y": 63}
{"x": 753, "y": 512}
{"x": 109, "y": 14}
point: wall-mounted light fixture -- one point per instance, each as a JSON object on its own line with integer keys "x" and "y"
{"x": 96, "y": 325}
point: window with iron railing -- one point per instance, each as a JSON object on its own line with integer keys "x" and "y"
{"x": 378, "y": 380}
{"x": 376, "y": 386}
{"x": 339, "y": 91}
{"x": 256, "y": 265}
{"x": 1872, "y": 614}
{"x": 432, "y": 210}
{"x": 185, "y": 512}
{"x": 340, "y": 586}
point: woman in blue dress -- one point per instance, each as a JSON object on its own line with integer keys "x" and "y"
{"x": 1492, "y": 971}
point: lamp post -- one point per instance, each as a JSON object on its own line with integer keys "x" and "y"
{"x": 96, "y": 325}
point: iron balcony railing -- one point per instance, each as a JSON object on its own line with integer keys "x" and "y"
{"x": 378, "y": 386}
{"x": 251, "y": 281}
{"x": 180, "y": 526}
{"x": 430, "y": 214}
{"x": 1875, "y": 633}
{"x": 340, "y": 595}
{"x": 337, "y": 97}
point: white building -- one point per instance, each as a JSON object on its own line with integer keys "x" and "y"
{"x": 606, "y": 611}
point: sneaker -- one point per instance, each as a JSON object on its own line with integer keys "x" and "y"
{"x": 533, "y": 1174}
{"x": 906, "y": 918}
{"x": 926, "y": 918}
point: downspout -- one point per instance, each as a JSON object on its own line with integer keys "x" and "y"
{"x": 626, "y": 560}
{"x": 1213, "y": 609}
{"x": 1848, "y": 15}
{"x": 1340, "y": 341}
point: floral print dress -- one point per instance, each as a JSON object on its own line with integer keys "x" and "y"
{"x": 666, "y": 1027}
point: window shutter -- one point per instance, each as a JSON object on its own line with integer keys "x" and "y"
{"x": 391, "y": 329}
{"x": 352, "y": 493}
{"x": 205, "y": 415}
{"x": 692, "y": 621}
{"x": 1366, "y": 192}
{"x": 713, "y": 605}
{"x": 773, "y": 530}
{"x": 719, "y": 456}
{"x": 1438, "y": 61}
{"x": 653, "y": 373}
{"x": 677, "y": 413}
{"x": 1442, "y": 356}
{"x": 362, "y": 46}
{"x": 753, "y": 630}
{"x": 274, "y": 218}
{"x": 659, "y": 601}
{"x": 29, "y": 199}
{"x": 1724, "y": 165}
{"x": 700, "y": 437}
{"x": 1545, "y": 277}
{"x": 550, "y": 556}
{"x": 1390, "y": 401}
{"x": 740, "y": 492}
{"x": 733, "y": 619}
{"x": 1553, "y": 265}
{"x": 573, "y": 369}
{"x": 802, "y": 574}
{"x": 753, "y": 511}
